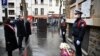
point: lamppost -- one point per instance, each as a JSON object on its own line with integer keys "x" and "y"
{"x": 4, "y": 5}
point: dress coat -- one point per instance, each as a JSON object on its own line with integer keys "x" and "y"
{"x": 10, "y": 37}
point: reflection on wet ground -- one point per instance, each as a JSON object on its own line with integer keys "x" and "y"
{"x": 45, "y": 43}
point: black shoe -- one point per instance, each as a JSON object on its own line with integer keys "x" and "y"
{"x": 21, "y": 50}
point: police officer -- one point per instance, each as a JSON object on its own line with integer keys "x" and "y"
{"x": 78, "y": 32}
{"x": 63, "y": 26}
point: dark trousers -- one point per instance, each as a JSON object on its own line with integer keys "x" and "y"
{"x": 63, "y": 35}
{"x": 20, "y": 39}
{"x": 78, "y": 48}
{"x": 26, "y": 39}
{"x": 9, "y": 53}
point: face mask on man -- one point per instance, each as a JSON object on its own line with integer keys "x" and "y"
{"x": 77, "y": 16}
{"x": 11, "y": 21}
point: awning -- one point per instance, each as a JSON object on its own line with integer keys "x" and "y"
{"x": 41, "y": 17}
{"x": 54, "y": 16}
{"x": 30, "y": 17}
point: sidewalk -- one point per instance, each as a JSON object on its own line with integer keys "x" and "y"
{"x": 40, "y": 44}
{"x": 45, "y": 43}
{"x": 3, "y": 51}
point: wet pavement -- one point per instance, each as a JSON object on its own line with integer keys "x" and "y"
{"x": 2, "y": 42}
{"x": 42, "y": 42}
{"x": 3, "y": 51}
{"x": 45, "y": 43}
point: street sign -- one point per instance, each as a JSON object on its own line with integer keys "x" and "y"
{"x": 4, "y": 2}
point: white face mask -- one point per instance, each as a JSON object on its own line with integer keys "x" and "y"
{"x": 62, "y": 21}
{"x": 11, "y": 21}
{"x": 77, "y": 16}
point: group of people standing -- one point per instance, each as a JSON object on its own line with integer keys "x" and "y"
{"x": 23, "y": 31}
{"x": 78, "y": 31}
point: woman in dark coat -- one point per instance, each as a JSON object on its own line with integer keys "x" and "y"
{"x": 10, "y": 38}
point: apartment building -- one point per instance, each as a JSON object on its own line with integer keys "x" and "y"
{"x": 35, "y": 8}
{"x": 11, "y": 10}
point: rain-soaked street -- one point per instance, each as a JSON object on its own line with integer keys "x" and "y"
{"x": 45, "y": 42}
{"x": 42, "y": 42}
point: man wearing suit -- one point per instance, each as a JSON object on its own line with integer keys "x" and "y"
{"x": 63, "y": 29}
{"x": 28, "y": 30}
{"x": 23, "y": 30}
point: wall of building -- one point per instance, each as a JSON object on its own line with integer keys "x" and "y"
{"x": 13, "y": 15}
{"x": 39, "y": 9}
{"x": 17, "y": 6}
{"x": 92, "y": 36}
{"x": 94, "y": 39}
{"x": 31, "y": 7}
{"x": 94, "y": 42}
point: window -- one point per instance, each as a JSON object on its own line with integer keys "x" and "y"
{"x": 11, "y": 12}
{"x": 36, "y": 1}
{"x": 36, "y": 11}
{"x": 57, "y": 2}
{"x": 42, "y": 1}
{"x": 50, "y": 2}
{"x": 42, "y": 11}
{"x": 11, "y": 5}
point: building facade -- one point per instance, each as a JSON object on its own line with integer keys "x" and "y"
{"x": 35, "y": 8}
{"x": 10, "y": 10}
{"x": 90, "y": 8}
